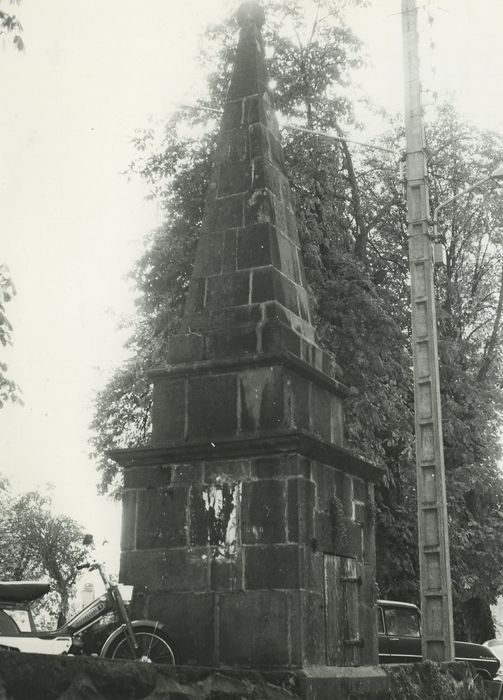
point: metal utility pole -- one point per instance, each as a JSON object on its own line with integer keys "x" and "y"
{"x": 435, "y": 570}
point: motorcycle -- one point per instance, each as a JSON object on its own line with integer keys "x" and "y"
{"x": 141, "y": 640}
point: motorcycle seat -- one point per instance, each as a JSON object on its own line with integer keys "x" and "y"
{"x": 21, "y": 591}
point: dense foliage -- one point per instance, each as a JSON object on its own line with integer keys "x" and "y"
{"x": 352, "y": 222}
{"x": 9, "y": 391}
{"x": 10, "y": 27}
{"x": 35, "y": 543}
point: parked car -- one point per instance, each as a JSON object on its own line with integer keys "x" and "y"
{"x": 496, "y": 646}
{"x": 399, "y": 634}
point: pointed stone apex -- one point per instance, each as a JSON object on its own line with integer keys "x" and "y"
{"x": 250, "y": 13}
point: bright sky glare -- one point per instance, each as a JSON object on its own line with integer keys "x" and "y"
{"x": 72, "y": 224}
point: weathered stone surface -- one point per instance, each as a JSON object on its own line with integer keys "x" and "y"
{"x": 212, "y": 405}
{"x": 148, "y": 477}
{"x": 189, "y": 618}
{"x": 263, "y": 507}
{"x": 161, "y": 518}
{"x": 151, "y": 571}
{"x": 128, "y": 529}
{"x": 264, "y": 616}
{"x": 273, "y": 567}
{"x": 169, "y": 409}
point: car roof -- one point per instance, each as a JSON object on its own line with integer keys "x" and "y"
{"x": 397, "y": 604}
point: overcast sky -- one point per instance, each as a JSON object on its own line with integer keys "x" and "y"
{"x": 72, "y": 224}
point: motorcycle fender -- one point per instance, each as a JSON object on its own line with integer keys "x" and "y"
{"x": 136, "y": 623}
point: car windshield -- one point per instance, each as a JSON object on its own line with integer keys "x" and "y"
{"x": 402, "y": 622}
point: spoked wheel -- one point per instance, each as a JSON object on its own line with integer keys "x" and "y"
{"x": 153, "y": 647}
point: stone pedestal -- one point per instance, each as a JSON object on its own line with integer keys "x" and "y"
{"x": 263, "y": 560}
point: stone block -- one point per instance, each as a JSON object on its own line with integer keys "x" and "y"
{"x": 323, "y": 532}
{"x": 229, "y": 251}
{"x": 262, "y": 286}
{"x": 233, "y": 146}
{"x": 231, "y": 344}
{"x": 277, "y": 157}
{"x": 231, "y": 118}
{"x": 233, "y": 471}
{"x": 227, "y": 213}
{"x": 253, "y": 628}
{"x": 286, "y": 292}
{"x": 313, "y": 626}
{"x": 327, "y": 480}
{"x": 260, "y": 208}
{"x": 300, "y": 389}
{"x": 185, "y": 347}
{"x": 320, "y": 412}
{"x": 280, "y": 466}
{"x": 226, "y": 573}
{"x": 209, "y": 254}
{"x": 347, "y": 495}
{"x": 266, "y": 176}
{"x": 213, "y": 515}
{"x": 254, "y": 249}
{"x": 128, "y": 529}
{"x": 259, "y": 141}
{"x": 313, "y": 570}
{"x": 196, "y": 295}
{"x": 286, "y": 256}
{"x": 263, "y": 508}
{"x": 228, "y": 290}
{"x": 290, "y": 225}
{"x": 300, "y": 510}
{"x": 275, "y": 336}
{"x": 230, "y": 318}
{"x": 234, "y": 178}
{"x": 304, "y": 310}
{"x": 190, "y": 624}
{"x": 261, "y": 399}
{"x": 360, "y": 513}
{"x": 147, "y": 477}
{"x": 143, "y": 569}
{"x": 359, "y": 490}
{"x": 273, "y": 567}
{"x": 187, "y": 474}
{"x": 162, "y": 518}
{"x": 195, "y": 322}
{"x": 168, "y": 410}
{"x": 212, "y": 407}
{"x": 249, "y": 76}
{"x": 161, "y": 570}
{"x": 337, "y": 413}
{"x": 253, "y": 110}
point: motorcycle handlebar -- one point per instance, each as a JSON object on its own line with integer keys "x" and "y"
{"x": 83, "y": 566}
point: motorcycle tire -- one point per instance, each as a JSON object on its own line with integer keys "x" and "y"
{"x": 153, "y": 647}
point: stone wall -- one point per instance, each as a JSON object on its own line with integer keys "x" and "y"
{"x": 250, "y": 544}
{"x": 39, "y": 677}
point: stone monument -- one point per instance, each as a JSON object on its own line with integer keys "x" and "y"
{"x": 247, "y": 525}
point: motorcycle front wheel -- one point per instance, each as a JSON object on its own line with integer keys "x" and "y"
{"x": 153, "y": 647}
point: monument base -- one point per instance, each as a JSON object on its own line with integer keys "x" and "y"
{"x": 44, "y": 677}
{"x": 334, "y": 682}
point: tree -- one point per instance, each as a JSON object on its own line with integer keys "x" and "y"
{"x": 9, "y": 391}
{"x": 353, "y": 228}
{"x": 35, "y": 543}
{"x": 11, "y": 27}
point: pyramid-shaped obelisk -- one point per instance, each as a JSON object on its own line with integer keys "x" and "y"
{"x": 247, "y": 525}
